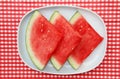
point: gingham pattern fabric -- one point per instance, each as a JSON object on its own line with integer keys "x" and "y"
{"x": 11, "y": 65}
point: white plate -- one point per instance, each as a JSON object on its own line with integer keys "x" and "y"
{"x": 90, "y": 63}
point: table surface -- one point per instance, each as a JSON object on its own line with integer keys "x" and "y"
{"x": 11, "y": 65}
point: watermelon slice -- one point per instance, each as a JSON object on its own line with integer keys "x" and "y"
{"x": 41, "y": 39}
{"x": 70, "y": 40}
{"x": 90, "y": 40}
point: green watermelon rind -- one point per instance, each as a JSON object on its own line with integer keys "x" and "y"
{"x": 73, "y": 63}
{"x": 54, "y": 16}
{"x": 35, "y": 61}
{"x": 71, "y": 60}
{"x": 75, "y": 17}
{"x": 54, "y": 62}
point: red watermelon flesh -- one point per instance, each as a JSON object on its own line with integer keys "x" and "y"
{"x": 90, "y": 40}
{"x": 70, "y": 40}
{"x": 41, "y": 39}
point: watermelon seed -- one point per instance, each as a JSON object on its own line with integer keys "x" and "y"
{"x": 88, "y": 28}
{"x": 80, "y": 30}
{"x": 81, "y": 26}
{"x": 41, "y": 30}
{"x": 45, "y": 39}
{"x": 72, "y": 48}
{"x": 48, "y": 31}
{"x": 50, "y": 48}
{"x": 42, "y": 25}
{"x": 92, "y": 48}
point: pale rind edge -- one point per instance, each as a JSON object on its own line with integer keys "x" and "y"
{"x": 28, "y": 31}
{"x": 71, "y": 60}
{"x": 53, "y": 19}
{"x": 55, "y": 63}
{"x": 75, "y": 17}
{"x": 54, "y": 16}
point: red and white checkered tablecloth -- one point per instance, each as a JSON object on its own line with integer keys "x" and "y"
{"x": 11, "y": 65}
